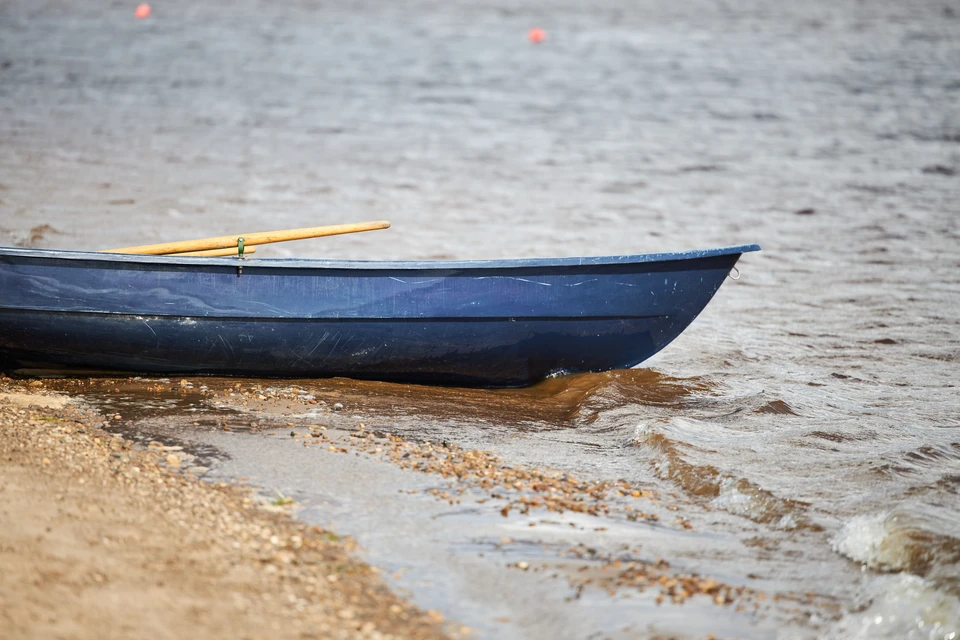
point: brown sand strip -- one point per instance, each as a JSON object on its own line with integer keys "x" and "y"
{"x": 98, "y": 540}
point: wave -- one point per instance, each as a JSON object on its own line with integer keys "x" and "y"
{"x": 905, "y": 539}
{"x": 901, "y": 607}
{"x": 725, "y": 491}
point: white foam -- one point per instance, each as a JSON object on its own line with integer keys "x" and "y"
{"x": 868, "y": 540}
{"x": 787, "y": 522}
{"x": 901, "y": 607}
{"x": 641, "y": 431}
{"x": 916, "y": 541}
{"x": 743, "y": 499}
{"x": 732, "y": 500}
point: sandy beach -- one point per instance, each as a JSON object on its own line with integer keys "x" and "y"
{"x": 99, "y": 539}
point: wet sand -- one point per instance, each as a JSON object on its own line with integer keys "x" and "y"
{"x": 99, "y": 539}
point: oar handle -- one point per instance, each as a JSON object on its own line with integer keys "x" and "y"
{"x": 250, "y": 239}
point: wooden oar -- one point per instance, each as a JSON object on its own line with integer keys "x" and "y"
{"x": 210, "y": 253}
{"x": 250, "y": 239}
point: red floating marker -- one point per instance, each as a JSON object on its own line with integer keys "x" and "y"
{"x": 142, "y": 11}
{"x": 536, "y": 35}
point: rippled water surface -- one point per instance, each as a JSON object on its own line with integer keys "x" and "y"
{"x": 808, "y": 420}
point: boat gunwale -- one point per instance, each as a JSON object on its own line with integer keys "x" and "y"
{"x": 369, "y": 265}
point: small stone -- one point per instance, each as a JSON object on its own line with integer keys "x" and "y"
{"x": 338, "y": 407}
{"x": 523, "y": 565}
{"x": 173, "y": 461}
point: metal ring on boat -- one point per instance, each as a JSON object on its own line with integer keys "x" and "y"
{"x": 239, "y": 255}
{"x": 736, "y": 277}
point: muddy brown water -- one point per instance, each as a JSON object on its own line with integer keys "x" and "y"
{"x": 807, "y": 422}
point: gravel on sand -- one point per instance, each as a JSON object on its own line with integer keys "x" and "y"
{"x": 100, "y": 539}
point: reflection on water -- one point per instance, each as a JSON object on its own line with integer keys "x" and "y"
{"x": 560, "y": 402}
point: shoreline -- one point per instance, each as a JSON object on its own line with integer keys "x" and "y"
{"x": 100, "y": 539}
{"x": 88, "y": 454}
{"x": 508, "y": 548}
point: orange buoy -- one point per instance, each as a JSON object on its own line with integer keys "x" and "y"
{"x": 536, "y": 35}
{"x": 142, "y": 11}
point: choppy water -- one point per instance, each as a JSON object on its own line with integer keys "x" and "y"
{"x": 810, "y": 414}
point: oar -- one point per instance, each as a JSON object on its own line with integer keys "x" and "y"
{"x": 210, "y": 253}
{"x": 250, "y": 239}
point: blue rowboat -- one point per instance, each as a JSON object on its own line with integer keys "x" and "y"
{"x": 476, "y": 323}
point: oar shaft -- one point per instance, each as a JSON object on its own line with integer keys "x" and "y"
{"x": 250, "y": 239}
{"x": 212, "y": 253}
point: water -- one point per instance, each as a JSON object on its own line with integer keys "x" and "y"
{"x": 807, "y": 421}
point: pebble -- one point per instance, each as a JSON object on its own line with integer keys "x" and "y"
{"x": 527, "y": 488}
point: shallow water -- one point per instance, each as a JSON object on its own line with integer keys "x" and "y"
{"x": 808, "y": 418}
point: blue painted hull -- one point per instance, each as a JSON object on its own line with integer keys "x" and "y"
{"x": 482, "y": 323}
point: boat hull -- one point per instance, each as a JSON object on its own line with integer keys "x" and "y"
{"x": 480, "y": 323}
